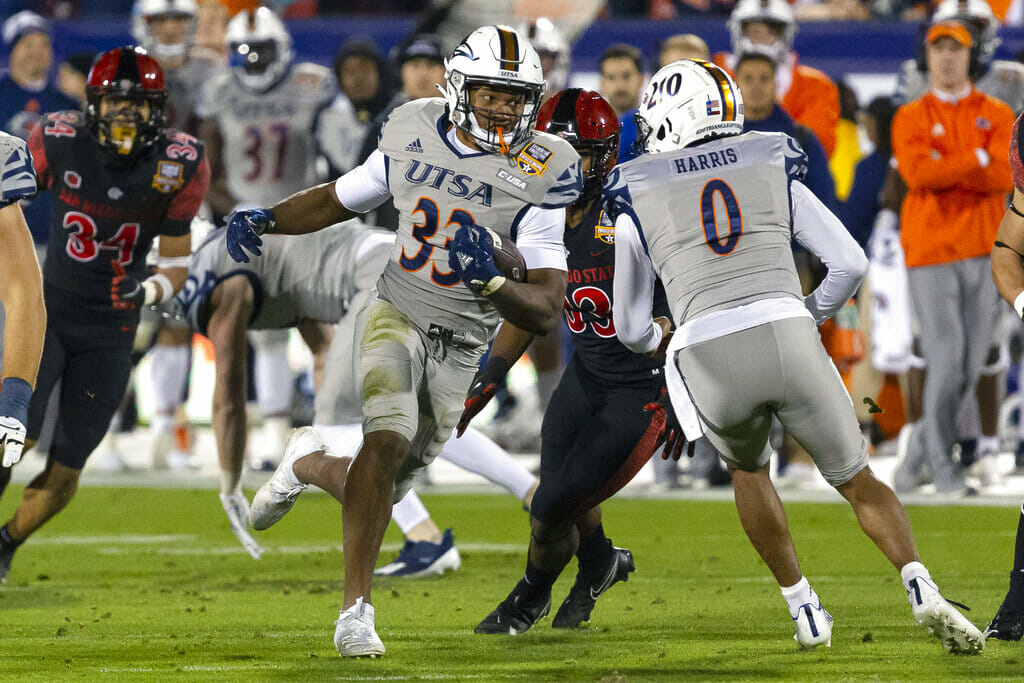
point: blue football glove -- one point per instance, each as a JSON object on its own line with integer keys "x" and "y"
{"x": 471, "y": 256}
{"x": 243, "y": 231}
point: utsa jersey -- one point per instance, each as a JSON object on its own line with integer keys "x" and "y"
{"x": 18, "y": 176}
{"x": 1004, "y": 81}
{"x": 269, "y": 149}
{"x": 298, "y": 277}
{"x": 588, "y": 302}
{"x": 107, "y": 209}
{"x": 716, "y": 220}
{"x": 437, "y": 189}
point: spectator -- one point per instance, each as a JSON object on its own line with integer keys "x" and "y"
{"x": 27, "y": 92}
{"x": 951, "y": 147}
{"x": 72, "y": 75}
{"x": 622, "y": 78}
{"x": 807, "y": 95}
{"x": 363, "y": 77}
{"x": 682, "y": 46}
{"x": 847, "y": 152}
{"x": 755, "y": 76}
{"x": 859, "y": 209}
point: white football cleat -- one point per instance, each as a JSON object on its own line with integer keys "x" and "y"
{"x": 237, "y": 509}
{"x": 355, "y": 635}
{"x": 958, "y": 635}
{"x": 276, "y": 497}
{"x": 813, "y": 626}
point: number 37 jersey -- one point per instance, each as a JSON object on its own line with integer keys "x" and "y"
{"x": 437, "y": 188}
{"x": 715, "y": 219}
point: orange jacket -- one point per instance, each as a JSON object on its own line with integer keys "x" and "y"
{"x": 953, "y": 207}
{"x": 812, "y": 99}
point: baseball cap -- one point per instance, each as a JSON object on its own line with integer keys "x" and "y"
{"x": 422, "y": 46}
{"x": 949, "y": 29}
{"x": 22, "y": 24}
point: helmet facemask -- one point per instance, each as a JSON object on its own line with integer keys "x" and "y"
{"x": 257, "y": 63}
{"x": 498, "y": 131}
{"x": 603, "y": 155}
{"x": 123, "y": 129}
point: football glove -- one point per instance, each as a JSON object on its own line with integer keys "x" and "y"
{"x": 14, "y": 399}
{"x": 244, "y": 230}
{"x": 672, "y": 433}
{"x": 471, "y": 257}
{"x": 482, "y": 391}
{"x": 125, "y": 291}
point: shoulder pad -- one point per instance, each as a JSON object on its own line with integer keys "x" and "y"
{"x": 796, "y": 158}
{"x": 18, "y": 179}
{"x": 550, "y": 154}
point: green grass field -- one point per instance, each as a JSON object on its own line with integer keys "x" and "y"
{"x": 150, "y": 584}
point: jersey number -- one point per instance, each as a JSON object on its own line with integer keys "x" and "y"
{"x": 707, "y": 215}
{"x": 426, "y": 230}
{"x": 82, "y": 246}
{"x": 254, "y": 150}
{"x": 595, "y": 301}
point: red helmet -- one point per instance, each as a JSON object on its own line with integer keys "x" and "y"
{"x": 588, "y": 123}
{"x": 126, "y": 73}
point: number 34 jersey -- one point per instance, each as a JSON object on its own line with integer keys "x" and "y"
{"x": 715, "y": 219}
{"x": 107, "y": 209}
{"x": 437, "y": 188}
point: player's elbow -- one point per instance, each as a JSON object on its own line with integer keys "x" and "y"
{"x": 858, "y": 264}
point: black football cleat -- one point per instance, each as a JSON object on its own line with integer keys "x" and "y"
{"x": 516, "y": 613}
{"x": 583, "y": 595}
{"x": 1006, "y": 625}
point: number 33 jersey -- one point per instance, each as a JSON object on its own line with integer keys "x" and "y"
{"x": 107, "y": 209}
{"x": 437, "y": 188}
{"x": 715, "y": 219}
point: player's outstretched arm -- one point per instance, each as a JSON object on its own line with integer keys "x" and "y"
{"x": 1008, "y": 254}
{"x": 309, "y": 210}
{"x": 21, "y": 291}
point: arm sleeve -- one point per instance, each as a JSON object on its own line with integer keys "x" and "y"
{"x": 185, "y": 204}
{"x": 365, "y": 187}
{"x": 539, "y": 237}
{"x": 819, "y": 231}
{"x": 921, "y": 166}
{"x": 633, "y": 290}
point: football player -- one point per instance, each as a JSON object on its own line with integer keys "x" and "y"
{"x": 119, "y": 178}
{"x": 21, "y": 294}
{"x": 257, "y": 121}
{"x": 452, "y": 165}
{"x": 596, "y": 418}
{"x": 746, "y": 348}
{"x": 222, "y": 299}
{"x": 1008, "y": 272}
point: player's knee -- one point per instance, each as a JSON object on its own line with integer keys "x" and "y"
{"x": 386, "y": 450}
{"x": 544, "y": 533}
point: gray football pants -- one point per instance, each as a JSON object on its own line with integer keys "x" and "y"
{"x": 956, "y": 305}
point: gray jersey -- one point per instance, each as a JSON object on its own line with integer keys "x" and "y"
{"x": 716, "y": 220}
{"x": 436, "y": 189}
{"x": 18, "y": 175}
{"x": 269, "y": 148}
{"x": 184, "y": 86}
{"x": 340, "y": 133}
{"x": 297, "y": 277}
{"x": 1004, "y": 81}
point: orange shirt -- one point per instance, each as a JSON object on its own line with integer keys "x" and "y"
{"x": 954, "y": 205}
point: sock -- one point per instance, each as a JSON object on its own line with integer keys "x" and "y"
{"x": 475, "y": 453}
{"x": 170, "y": 373}
{"x": 273, "y": 379}
{"x": 800, "y": 593}
{"x": 6, "y": 542}
{"x": 230, "y": 483}
{"x": 987, "y": 446}
{"x": 409, "y": 512}
{"x": 342, "y": 441}
{"x": 911, "y": 571}
{"x": 594, "y": 548}
{"x": 538, "y": 581}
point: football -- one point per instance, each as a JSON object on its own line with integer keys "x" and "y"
{"x": 507, "y": 257}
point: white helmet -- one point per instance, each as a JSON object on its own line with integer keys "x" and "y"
{"x": 144, "y": 10}
{"x": 978, "y": 17}
{"x": 777, "y": 12}
{"x": 497, "y": 56}
{"x": 548, "y": 41}
{"x": 259, "y": 48}
{"x": 686, "y": 102}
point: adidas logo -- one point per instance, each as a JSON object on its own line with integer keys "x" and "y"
{"x": 414, "y": 146}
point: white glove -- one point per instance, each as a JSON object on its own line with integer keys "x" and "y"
{"x": 12, "y": 439}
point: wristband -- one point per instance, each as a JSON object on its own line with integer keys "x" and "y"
{"x": 14, "y": 398}
{"x": 151, "y": 285}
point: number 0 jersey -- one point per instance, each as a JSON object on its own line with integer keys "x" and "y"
{"x": 437, "y": 188}
{"x": 106, "y": 209}
{"x": 588, "y": 303}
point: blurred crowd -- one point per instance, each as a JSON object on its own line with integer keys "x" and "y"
{"x": 896, "y": 359}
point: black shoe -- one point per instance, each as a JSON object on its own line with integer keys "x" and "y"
{"x": 517, "y": 613}
{"x": 6, "y": 555}
{"x": 584, "y": 593}
{"x": 1006, "y": 625}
